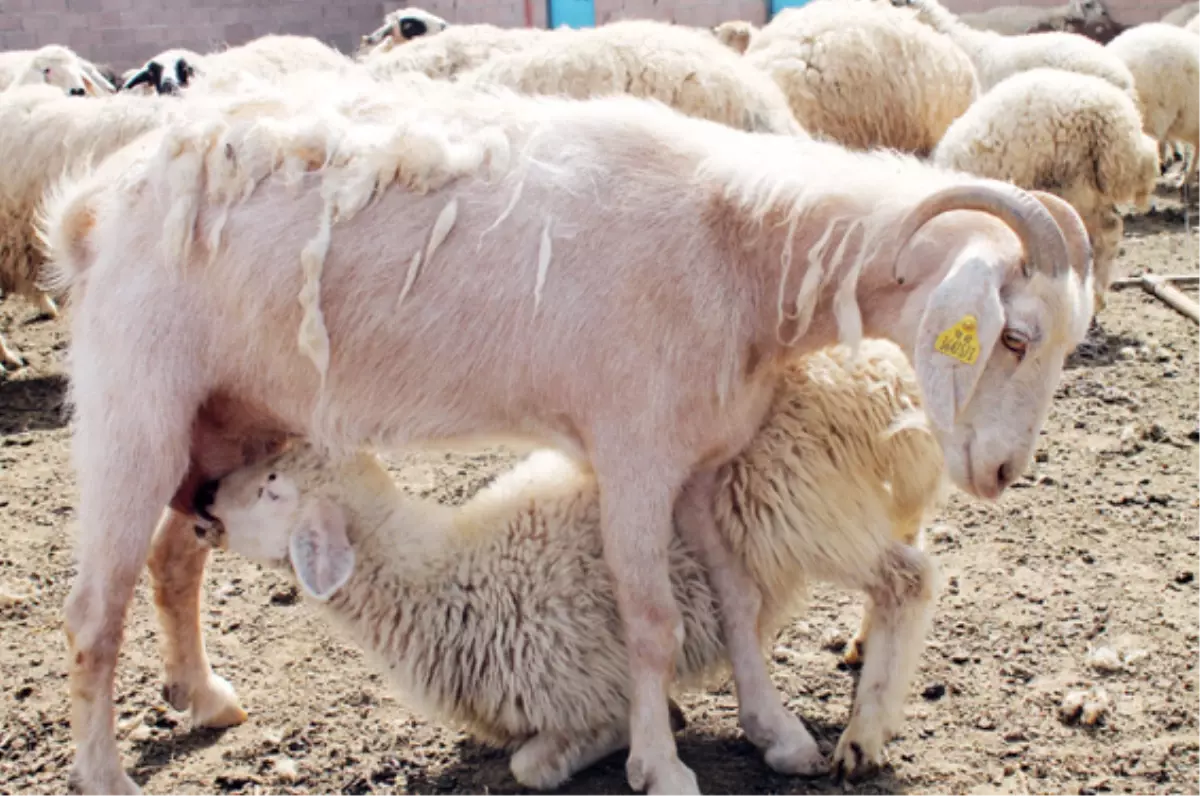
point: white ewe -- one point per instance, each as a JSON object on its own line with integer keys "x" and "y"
{"x": 630, "y": 277}
{"x": 837, "y": 63}
{"x": 271, "y": 58}
{"x": 997, "y": 56}
{"x": 54, "y": 135}
{"x": 1073, "y": 135}
{"x": 402, "y": 25}
{"x": 53, "y": 65}
{"x": 686, "y": 68}
{"x": 501, "y": 615}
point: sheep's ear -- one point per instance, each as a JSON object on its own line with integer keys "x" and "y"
{"x": 320, "y": 551}
{"x": 140, "y": 77}
{"x": 962, "y": 321}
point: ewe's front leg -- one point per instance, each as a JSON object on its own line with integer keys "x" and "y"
{"x": 636, "y": 501}
{"x": 788, "y": 746}
{"x": 177, "y": 561}
{"x": 902, "y": 602}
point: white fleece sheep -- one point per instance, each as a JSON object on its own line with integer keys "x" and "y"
{"x": 457, "y": 49}
{"x": 55, "y": 135}
{"x": 400, "y": 26}
{"x": 837, "y": 63}
{"x": 997, "y": 56}
{"x": 1070, "y": 134}
{"x": 685, "y": 68}
{"x": 1165, "y": 62}
{"x": 270, "y": 58}
{"x": 500, "y": 615}
{"x": 53, "y": 65}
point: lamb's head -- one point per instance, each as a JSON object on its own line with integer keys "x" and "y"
{"x": 404, "y": 25}
{"x": 58, "y": 66}
{"x": 167, "y": 73}
{"x": 993, "y": 335}
{"x": 275, "y": 513}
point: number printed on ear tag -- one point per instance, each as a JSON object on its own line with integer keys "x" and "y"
{"x": 960, "y": 341}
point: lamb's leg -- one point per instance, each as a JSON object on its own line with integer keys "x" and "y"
{"x": 548, "y": 760}
{"x": 9, "y": 356}
{"x": 636, "y": 502}
{"x": 787, "y": 745}
{"x": 902, "y": 599}
{"x": 176, "y": 565}
{"x": 127, "y": 472}
{"x": 908, "y": 532}
{"x": 46, "y": 306}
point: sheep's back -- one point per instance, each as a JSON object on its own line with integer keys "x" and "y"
{"x": 838, "y": 65}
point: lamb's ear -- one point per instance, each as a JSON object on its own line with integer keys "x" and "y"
{"x": 960, "y": 326}
{"x": 320, "y": 551}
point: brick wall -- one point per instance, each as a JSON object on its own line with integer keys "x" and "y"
{"x": 124, "y": 33}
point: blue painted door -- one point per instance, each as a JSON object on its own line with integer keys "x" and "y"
{"x": 573, "y": 13}
{"x": 779, "y": 5}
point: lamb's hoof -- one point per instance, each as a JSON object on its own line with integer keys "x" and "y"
{"x": 859, "y": 753}
{"x": 668, "y": 777}
{"x": 853, "y": 657}
{"x": 214, "y": 705}
{"x": 116, "y": 782}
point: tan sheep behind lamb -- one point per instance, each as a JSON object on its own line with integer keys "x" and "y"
{"x": 500, "y": 615}
{"x": 685, "y": 68}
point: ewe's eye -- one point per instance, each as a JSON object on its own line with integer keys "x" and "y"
{"x": 1015, "y": 342}
{"x": 271, "y": 477}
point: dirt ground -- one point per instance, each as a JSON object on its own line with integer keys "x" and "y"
{"x": 1095, "y": 548}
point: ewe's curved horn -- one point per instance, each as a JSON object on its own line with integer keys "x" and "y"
{"x": 1071, "y": 225}
{"x": 1045, "y": 248}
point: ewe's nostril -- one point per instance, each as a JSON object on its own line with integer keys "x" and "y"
{"x": 77, "y": 92}
{"x": 204, "y": 498}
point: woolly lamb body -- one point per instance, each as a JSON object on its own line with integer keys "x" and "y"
{"x": 997, "y": 57}
{"x": 455, "y": 50}
{"x": 836, "y": 62}
{"x": 1165, "y": 63}
{"x": 684, "y": 68}
{"x": 1070, "y": 134}
{"x": 501, "y": 615}
{"x": 610, "y": 278}
{"x": 54, "y": 135}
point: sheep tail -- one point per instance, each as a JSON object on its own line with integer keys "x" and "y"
{"x": 64, "y": 222}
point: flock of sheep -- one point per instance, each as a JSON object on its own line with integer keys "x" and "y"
{"x": 764, "y": 291}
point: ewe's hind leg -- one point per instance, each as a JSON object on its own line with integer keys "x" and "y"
{"x": 637, "y": 497}
{"x": 176, "y": 565}
{"x": 788, "y": 746}
{"x": 902, "y": 602}
{"x": 127, "y": 471}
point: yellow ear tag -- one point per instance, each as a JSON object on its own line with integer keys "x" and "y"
{"x": 960, "y": 341}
